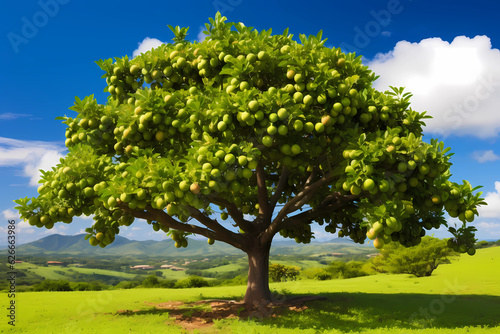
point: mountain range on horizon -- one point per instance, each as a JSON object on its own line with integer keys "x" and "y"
{"x": 76, "y": 245}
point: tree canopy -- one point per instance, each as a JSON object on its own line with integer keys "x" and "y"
{"x": 273, "y": 133}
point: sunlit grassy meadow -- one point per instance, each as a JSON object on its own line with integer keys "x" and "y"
{"x": 462, "y": 297}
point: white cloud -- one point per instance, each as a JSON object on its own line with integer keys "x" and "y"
{"x": 146, "y": 45}
{"x": 386, "y": 33}
{"x": 457, "y": 83}
{"x": 485, "y": 156}
{"x": 488, "y": 226}
{"x": 492, "y": 229}
{"x": 201, "y": 36}
{"x": 10, "y": 115}
{"x": 58, "y": 228}
{"x": 491, "y": 210}
{"x": 23, "y": 228}
{"x": 10, "y": 214}
{"x": 30, "y": 155}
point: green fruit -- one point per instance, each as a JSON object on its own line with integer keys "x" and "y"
{"x": 345, "y": 102}
{"x": 267, "y": 141}
{"x": 111, "y": 202}
{"x": 172, "y": 209}
{"x": 247, "y": 173}
{"x": 242, "y": 160}
{"x": 365, "y": 118}
{"x": 413, "y": 182}
{"x": 253, "y": 105}
{"x": 368, "y": 184}
{"x": 402, "y": 167}
{"x": 383, "y": 186}
{"x": 286, "y": 149}
{"x": 282, "y": 113}
{"x": 296, "y": 149}
{"x": 321, "y": 99}
{"x": 469, "y": 215}
{"x": 371, "y": 234}
{"x": 392, "y": 223}
{"x": 141, "y": 194}
{"x": 88, "y": 191}
{"x": 124, "y": 197}
{"x": 308, "y": 100}
{"x": 210, "y": 241}
{"x": 251, "y": 58}
{"x": 206, "y": 167}
{"x": 184, "y": 186}
{"x": 221, "y": 126}
{"x": 160, "y": 203}
{"x": 134, "y": 69}
{"x": 298, "y": 125}
{"x": 244, "y": 85}
{"x": 309, "y": 127}
{"x": 355, "y": 190}
{"x": 282, "y": 130}
{"x": 298, "y": 97}
{"x": 378, "y": 243}
{"x": 93, "y": 241}
{"x": 396, "y": 141}
{"x": 378, "y": 227}
{"x": 298, "y": 78}
{"x": 33, "y": 220}
{"x": 263, "y": 55}
{"x": 271, "y": 129}
{"x": 424, "y": 169}
{"x": 319, "y": 127}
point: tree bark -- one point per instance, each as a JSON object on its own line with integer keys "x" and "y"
{"x": 258, "y": 292}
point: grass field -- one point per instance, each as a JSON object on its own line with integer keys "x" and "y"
{"x": 462, "y": 297}
{"x": 304, "y": 264}
{"x": 50, "y": 272}
{"x": 227, "y": 267}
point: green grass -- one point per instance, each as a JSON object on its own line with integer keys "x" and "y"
{"x": 227, "y": 268}
{"x": 50, "y": 272}
{"x": 303, "y": 264}
{"x": 462, "y": 297}
{"x": 173, "y": 275}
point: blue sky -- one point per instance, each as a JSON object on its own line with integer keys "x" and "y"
{"x": 445, "y": 52}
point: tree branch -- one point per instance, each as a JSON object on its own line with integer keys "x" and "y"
{"x": 293, "y": 204}
{"x": 164, "y": 219}
{"x": 310, "y": 178}
{"x": 264, "y": 212}
{"x": 331, "y": 203}
{"x": 285, "y": 173}
{"x": 233, "y": 211}
{"x": 223, "y": 234}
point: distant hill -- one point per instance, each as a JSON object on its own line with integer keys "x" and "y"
{"x": 76, "y": 245}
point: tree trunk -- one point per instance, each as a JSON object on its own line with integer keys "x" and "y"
{"x": 258, "y": 292}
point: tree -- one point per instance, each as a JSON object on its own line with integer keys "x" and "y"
{"x": 274, "y": 133}
{"x": 280, "y": 273}
{"x": 151, "y": 281}
{"x": 420, "y": 260}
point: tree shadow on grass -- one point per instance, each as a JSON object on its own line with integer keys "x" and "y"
{"x": 361, "y": 311}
